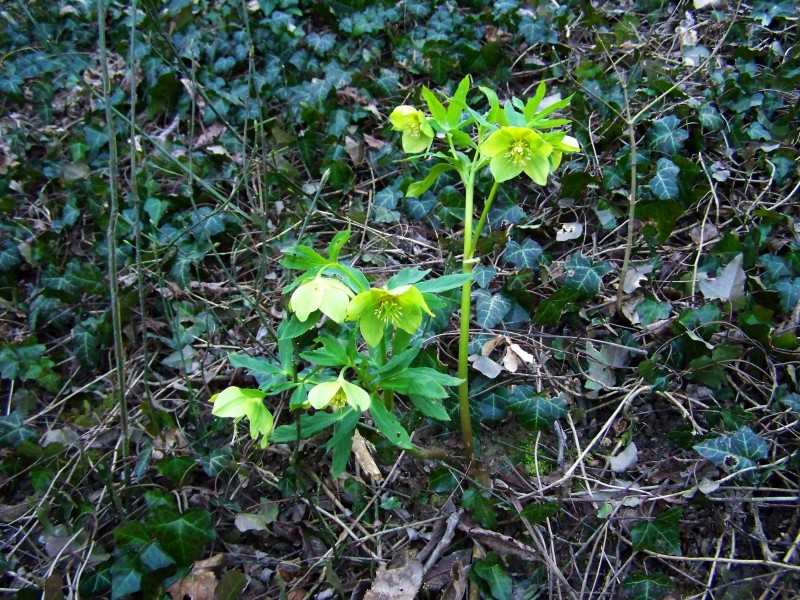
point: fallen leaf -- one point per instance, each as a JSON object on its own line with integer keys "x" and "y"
{"x": 729, "y": 284}
{"x": 625, "y": 459}
{"x": 399, "y": 583}
{"x": 457, "y": 587}
{"x": 488, "y": 347}
{"x": 569, "y": 231}
{"x": 485, "y": 366}
{"x": 365, "y": 459}
{"x": 510, "y": 361}
{"x": 635, "y": 276}
{"x": 197, "y": 585}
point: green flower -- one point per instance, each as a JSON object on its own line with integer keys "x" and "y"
{"x": 337, "y": 393}
{"x": 517, "y": 149}
{"x": 417, "y": 132}
{"x": 400, "y": 307}
{"x": 327, "y": 294}
{"x": 235, "y": 403}
{"x": 566, "y": 145}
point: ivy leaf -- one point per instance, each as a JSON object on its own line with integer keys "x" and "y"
{"x": 480, "y": 507}
{"x": 735, "y": 452}
{"x": 86, "y": 344}
{"x": 98, "y": 582}
{"x": 525, "y": 256}
{"x": 491, "y": 308}
{"x": 667, "y": 136}
{"x": 13, "y": 430}
{"x": 664, "y": 183}
{"x": 640, "y": 586}
{"x": 585, "y": 276}
{"x": 125, "y": 579}
{"x": 789, "y": 292}
{"x": 442, "y": 481}
{"x": 775, "y": 268}
{"x": 729, "y": 284}
{"x": 216, "y": 461}
{"x": 538, "y": 513}
{"x": 710, "y": 118}
{"x": 483, "y": 275}
{"x": 9, "y": 257}
{"x": 659, "y": 535}
{"x": 182, "y": 535}
{"x": 535, "y": 411}
{"x": 550, "y": 310}
{"x": 650, "y": 311}
{"x": 792, "y": 401}
{"x": 492, "y": 572}
{"x": 663, "y": 212}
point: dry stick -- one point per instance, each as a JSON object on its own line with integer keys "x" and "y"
{"x": 111, "y": 233}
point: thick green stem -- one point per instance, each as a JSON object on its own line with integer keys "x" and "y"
{"x": 388, "y": 395}
{"x": 463, "y": 339}
{"x": 479, "y": 227}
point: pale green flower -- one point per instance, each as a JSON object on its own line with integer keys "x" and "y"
{"x": 326, "y": 294}
{"x": 401, "y": 307}
{"x": 337, "y": 393}
{"x": 517, "y": 149}
{"x": 566, "y": 145}
{"x": 235, "y": 403}
{"x": 417, "y": 132}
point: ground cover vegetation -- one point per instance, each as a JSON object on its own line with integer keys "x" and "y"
{"x": 559, "y": 238}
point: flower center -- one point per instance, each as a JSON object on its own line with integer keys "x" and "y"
{"x": 388, "y": 310}
{"x": 414, "y": 130}
{"x": 519, "y": 152}
{"x": 339, "y": 400}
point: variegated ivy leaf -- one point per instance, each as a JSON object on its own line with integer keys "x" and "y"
{"x": 525, "y": 256}
{"x": 710, "y": 118}
{"x": 535, "y": 411}
{"x": 584, "y": 276}
{"x": 664, "y": 183}
{"x": 735, "y": 452}
{"x": 490, "y": 308}
{"x": 667, "y": 136}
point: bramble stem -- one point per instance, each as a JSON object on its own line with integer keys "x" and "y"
{"x": 463, "y": 338}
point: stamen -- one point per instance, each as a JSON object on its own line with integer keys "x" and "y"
{"x": 388, "y": 310}
{"x": 519, "y": 152}
{"x": 338, "y": 400}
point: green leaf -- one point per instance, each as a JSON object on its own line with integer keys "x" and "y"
{"x": 420, "y": 187}
{"x": 775, "y": 268}
{"x": 550, "y": 310}
{"x": 256, "y": 365}
{"x": 483, "y": 275}
{"x": 659, "y": 535}
{"x": 182, "y": 535}
{"x": 231, "y": 585}
{"x": 584, "y": 276}
{"x": 444, "y": 283}
{"x": 735, "y": 452}
{"x": 125, "y": 579}
{"x": 98, "y": 582}
{"x": 294, "y": 327}
{"x": 641, "y": 586}
{"x": 663, "y": 212}
{"x": 651, "y": 310}
{"x": 535, "y": 411}
{"x": 667, "y": 136}
{"x": 789, "y": 292}
{"x": 13, "y": 430}
{"x": 216, "y": 461}
{"x": 492, "y": 572}
{"x": 664, "y": 183}
{"x": 406, "y": 276}
{"x": 86, "y": 344}
{"x": 437, "y": 109}
{"x": 176, "y": 468}
{"x": 309, "y": 425}
{"x": 422, "y": 381}
{"x": 389, "y": 426}
{"x": 538, "y": 513}
{"x": 442, "y": 481}
{"x": 133, "y": 535}
{"x": 710, "y": 118}
{"x": 302, "y": 258}
{"x": 792, "y": 401}
{"x": 153, "y": 557}
{"x": 525, "y": 256}
{"x": 480, "y": 506}
{"x": 342, "y": 442}
{"x": 335, "y": 246}
{"x": 490, "y": 308}
{"x": 429, "y": 407}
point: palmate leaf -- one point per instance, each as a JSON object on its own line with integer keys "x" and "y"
{"x": 550, "y": 310}
{"x": 651, "y": 310}
{"x": 735, "y": 452}
{"x": 659, "y": 535}
{"x": 667, "y": 136}
{"x": 664, "y": 183}
{"x": 792, "y": 401}
{"x": 710, "y": 118}
{"x": 641, "y": 586}
{"x": 182, "y": 535}
{"x": 535, "y": 411}
{"x": 525, "y": 256}
{"x": 125, "y": 579}
{"x": 483, "y": 275}
{"x": 13, "y": 430}
{"x": 585, "y": 276}
{"x": 490, "y": 308}
{"x": 789, "y": 292}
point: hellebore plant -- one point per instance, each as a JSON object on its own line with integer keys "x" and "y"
{"x": 517, "y": 138}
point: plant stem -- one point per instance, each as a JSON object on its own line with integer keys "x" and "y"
{"x": 388, "y": 395}
{"x": 486, "y": 207}
{"x": 463, "y": 338}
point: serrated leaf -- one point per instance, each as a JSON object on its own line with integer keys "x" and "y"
{"x": 584, "y": 276}
{"x": 667, "y": 136}
{"x": 535, "y": 411}
{"x": 480, "y": 507}
{"x": 492, "y": 572}
{"x": 650, "y": 311}
{"x": 490, "y": 308}
{"x": 309, "y": 425}
{"x": 729, "y": 283}
{"x": 664, "y": 183}
{"x": 443, "y": 283}
{"x": 389, "y": 426}
{"x": 735, "y": 452}
{"x": 659, "y": 535}
{"x": 641, "y": 586}
{"x": 429, "y": 407}
{"x": 13, "y": 430}
{"x": 525, "y": 256}
{"x": 182, "y": 535}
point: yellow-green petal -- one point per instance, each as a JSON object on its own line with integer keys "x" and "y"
{"x": 404, "y": 116}
{"x": 362, "y": 303}
{"x": 234, "y": 402}
{"x": 322, "y": 394}
{"x": 497, "y": 142}
{"x": 306, "y": 299}
{"x": 357, "y": 397}
{"x": 260, "y": 421}
{"x": 503, "y": 169}
{"x": 371, "y": 328}
{"x": 414, "y": 143}
{"x": 410, "y": 318}
{"x": 334, "y": 304}
{"x": 537, "y": 169}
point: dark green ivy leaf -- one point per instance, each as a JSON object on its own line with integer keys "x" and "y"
{"x": 490, "y": 308}
{"x": 480, "y": 506}
{"x": 13, "y": 431}
{"x": 585, "y": 276}
{"x": 659, "y": 535}
{"x": 641, "y": 586}
{"x": 535, "y": 411}
{"x": 182, "y": 535}
{"x": 667, "y": 136}
{"x": 525, "y": 256}
{"x": 664, "y": 183}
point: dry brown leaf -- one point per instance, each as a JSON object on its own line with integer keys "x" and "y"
{"x": 399, "y": 583}
{"x": 197, "y": 585}
{"x": 488, "y": 347}
{"x": 364, "y": 457}
{"x": 457, "y": 587}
